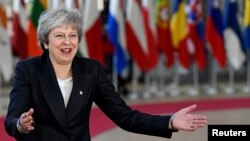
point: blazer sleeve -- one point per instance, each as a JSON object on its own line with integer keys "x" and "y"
{"x": 19, "y": 100}
{"x": 111, "y": 103}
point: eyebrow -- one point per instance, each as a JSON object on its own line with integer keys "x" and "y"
{"x": 64, "y": 33}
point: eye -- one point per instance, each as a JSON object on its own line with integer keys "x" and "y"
{"x": 59, "y": 36}
{"x": 73, "y": 36}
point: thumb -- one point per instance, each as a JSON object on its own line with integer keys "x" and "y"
{"x": 31, "y": 111}
{"x": 189, "y": 109}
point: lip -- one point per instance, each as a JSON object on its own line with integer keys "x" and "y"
{"x": 66, "y": 50}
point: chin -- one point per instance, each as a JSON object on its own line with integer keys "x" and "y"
{"x": 66, "y": 61}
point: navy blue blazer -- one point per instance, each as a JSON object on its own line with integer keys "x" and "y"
{"x": 35, "y": 86}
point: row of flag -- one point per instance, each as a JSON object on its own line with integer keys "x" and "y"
{"x": 141, "y": 30}
{"x": 180, "y": 31}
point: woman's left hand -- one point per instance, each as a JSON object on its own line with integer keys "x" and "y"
{"x": 184, "y": 120}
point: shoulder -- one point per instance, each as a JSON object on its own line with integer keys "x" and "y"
{"x": 25, "y": 68}
{"x": 87, "y": 60}
{"x": 87, "y": 63}
{"x": 29, "y": 62}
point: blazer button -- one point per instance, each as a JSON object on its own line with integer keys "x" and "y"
{"x": 81, "y": 93}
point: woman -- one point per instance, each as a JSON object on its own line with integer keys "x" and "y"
{"x": 52, "y": 94}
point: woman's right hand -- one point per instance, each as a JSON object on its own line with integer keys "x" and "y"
{"x": 26, "y": 121}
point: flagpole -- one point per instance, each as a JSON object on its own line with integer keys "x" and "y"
{"x": 214, "y": 77}
{"x": 212, "y": 90}
{"x": 160, "y": 71}
{"x": 174, "y": 87}
{"x": 146, "y": 93}
{"x": 154, "y": 81}
{"x": 161, "y": 92}
{"x": 230, "y": 88}
{"x": 246, "y": 89}
{"x": 1, "y": 95}
{"x": 134, "y": 92}
{"x": 115, "y": 75}
{"x": 194, "y": 90}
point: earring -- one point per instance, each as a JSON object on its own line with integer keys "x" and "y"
{"x": 45, "y": 46}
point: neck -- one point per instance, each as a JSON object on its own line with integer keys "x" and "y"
{"x": 62, "y": 71}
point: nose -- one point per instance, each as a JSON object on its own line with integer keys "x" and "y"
{"x": 66, "y": 40}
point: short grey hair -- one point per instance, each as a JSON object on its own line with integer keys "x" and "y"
{"x": 53, "y": 18}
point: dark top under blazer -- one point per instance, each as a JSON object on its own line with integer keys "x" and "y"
{"x": 35, "y": 86}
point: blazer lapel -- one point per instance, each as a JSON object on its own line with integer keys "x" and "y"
{"x": 52, "y": 92}
{"x": 81, "y": 83}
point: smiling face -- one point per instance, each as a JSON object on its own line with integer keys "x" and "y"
{"x": 63, "y": 44}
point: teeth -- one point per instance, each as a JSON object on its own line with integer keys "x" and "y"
{"x": 66, "y": 50}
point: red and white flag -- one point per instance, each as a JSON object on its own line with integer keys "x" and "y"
{"x": 141, "y": 33}
{"x": 19, "y": 25}
{"x": 91, "y": 45}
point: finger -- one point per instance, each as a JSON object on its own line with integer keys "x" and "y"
{"x": 28, "y": 125}
{"x": 30, "y": 112}
{"x": 199, "y": 122}
{"x": 24, "y": 120}
{"x": 30, "y": 121}
{"x": 189, "y": 108}
{"x": 192, "y": 128}
{"x": 26, "y": 114}
{"x": 200, "y": 117}
{"x": 196, "y": 126}
{"x": 199, "y": 125}
{"x": 30, "y": 128}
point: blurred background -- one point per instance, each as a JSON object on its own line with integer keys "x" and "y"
{"x": 148, "y": 47}
{"x": 153, "y": 50}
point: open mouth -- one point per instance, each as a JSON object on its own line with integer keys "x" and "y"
{"x": 66, "y": 50}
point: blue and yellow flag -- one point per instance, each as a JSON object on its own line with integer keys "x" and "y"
{"x": 246, "y": 25}
{"x": 179, "y": 32}
{"x": 178, "y": 23}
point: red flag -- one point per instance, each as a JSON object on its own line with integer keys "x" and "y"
{"x": 164, "y": 36}
{"x": 19, "y": 38}
{"x": 140, "y": 35}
